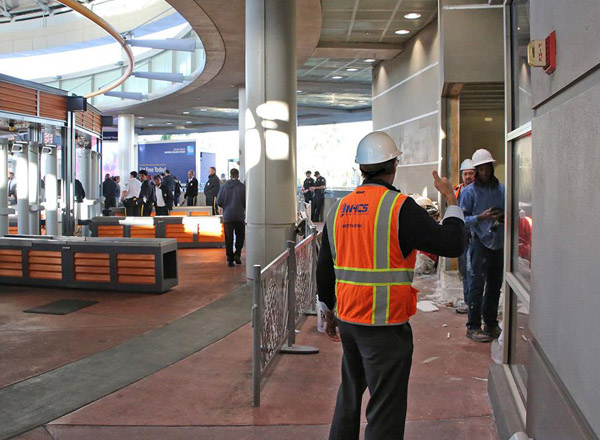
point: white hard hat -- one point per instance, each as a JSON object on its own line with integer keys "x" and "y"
{"x": 467, "y": 165}
{"x": 481, "y": 157}
{"x": 376, "y": 147}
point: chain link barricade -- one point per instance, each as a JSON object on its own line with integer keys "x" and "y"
{"x": 283, "y": 292}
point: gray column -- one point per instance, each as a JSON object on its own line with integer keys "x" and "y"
{"x": 34, "y": 188}
{"x": 4, "y": 210}
{"x": 242, "y": 131}
{"x": 22, "y": 175}
{"x": 94, "y": 179}
{"x": 126, "y": 135}
{"x": 270, "y": 128}
{"x": 51, "y": 190}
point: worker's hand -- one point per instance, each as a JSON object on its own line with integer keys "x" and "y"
{"x": 490, "y": 214}
{"x": 443, "y": 185}
{"x": 331, "y": 327}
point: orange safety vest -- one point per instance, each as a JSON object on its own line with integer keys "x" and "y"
{"x": 458, "y": 189}
{"x": 373, "y": 279}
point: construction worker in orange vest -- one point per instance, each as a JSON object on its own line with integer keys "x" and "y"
{"x": 365, "y": 273}
{"x": 467, "y": 174}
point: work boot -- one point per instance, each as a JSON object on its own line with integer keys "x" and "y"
{"x": 237, "y": 260}
{"x": 493, "y": 331}
{"x": 230, "y": 263}
{"x": 478, "y": 335}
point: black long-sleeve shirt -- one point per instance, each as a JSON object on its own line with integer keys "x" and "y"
{"x": 416, "y": 230}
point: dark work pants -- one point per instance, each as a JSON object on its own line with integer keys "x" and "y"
{"x": 377, "y": 357}
{"x": 131, "y": 207}
{"x": 110, "y": 202}
{"x": 464, "y": 268}
{"x": 487, "y": 267}
{"x": 239, "y": 230}
{"x": 212, "y": 201}
{"x": 146, "y": 209}
{"x": 162, "y": 210}
{"x": 190, "y": 201}
{"x": 317, "y": 207}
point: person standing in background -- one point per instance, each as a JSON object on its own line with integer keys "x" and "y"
{"x": 319, "y": 197}
{"x": 191, "y": 189}
{"x": 164, "y": 197}
{"x": 308, "y": 183}
{"x": 109, "y": 192}
{"x": 79, "y": 191}
{"x": 169, "y": 181}
{"x": 232, "y": 198}
{"x": 211, "y": 189}
{"x": 467, "y": 173}
{"x": 147, "y": 194}
{"x": 176, "y": 191}
{"x": 12, "y": 188}
{"x": 130, "y": 194}
{"x": 117, "y": 180}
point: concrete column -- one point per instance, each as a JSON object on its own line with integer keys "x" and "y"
{"x": 270, "y": 127}
{"x": 94, "y": 179}
{"x": 20, "y": 152}
{"x": 4, "y": 210}
{"x": 126, "y": 135}
{"x": 34, "y": 188}
{"x": 242, "y": 131}
{"x": 51, "y": 190}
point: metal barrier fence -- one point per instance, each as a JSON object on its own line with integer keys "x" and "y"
{"x": 284, "y": 291}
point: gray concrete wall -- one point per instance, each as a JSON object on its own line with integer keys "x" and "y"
{"x": 565, "y": 297}
{"x": 406, "y": 96}
{"x": 472, "y": 41}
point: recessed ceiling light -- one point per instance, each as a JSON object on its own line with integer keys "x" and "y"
{"x": 150, "y": 125}
{"x": 488, "y": 119}
{"x": 188, "y": 122}
{"x": 402, "y": 32}
{"x": 169, "y": 123}
{"x": 336, "y": 77}
{"x": 352, "y": 69}
{"x": 298, "y": 91}
{"x": 369, "y": 60}
{"x": 203, "y": 110}
{"x": 186, "y": 113}
{"x": 412, "y": 16}
{"x": 140, "y": 117}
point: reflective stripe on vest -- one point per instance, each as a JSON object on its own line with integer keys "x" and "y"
{"x": 371, "y": 274}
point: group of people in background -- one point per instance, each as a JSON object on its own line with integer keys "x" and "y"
{"x": 142, "y": 193}
{"x": 314, "y": 193}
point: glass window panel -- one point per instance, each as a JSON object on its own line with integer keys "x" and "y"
{"x": 138, "y": 85}
{"x": 162, "y": 63}
{"x": 519, "y": 342}
{"x": 78, "y": 86}
{"x": 183, "y": 61}
{"x": 521, "y": 72}
{"x": 522, "y": 221}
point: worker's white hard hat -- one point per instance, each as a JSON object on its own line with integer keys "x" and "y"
{"x": 376, "y": 147}
{"x": 481, "y": 157}
{"x": 467, "y": 165}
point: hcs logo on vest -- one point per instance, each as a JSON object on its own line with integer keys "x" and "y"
{"x": 357, "y": 208}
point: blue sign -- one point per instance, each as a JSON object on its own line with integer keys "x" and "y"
{"x": 178, "y": 157}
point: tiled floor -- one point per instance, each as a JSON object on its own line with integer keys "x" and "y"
{"x": 208, "y": 394}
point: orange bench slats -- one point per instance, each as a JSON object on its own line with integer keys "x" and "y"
{"x": 11, "y": 273}
{"x": 127, "y": 279}
{"x": 137, "y": 257}
{"x": 134, "y": 271}
{"x": 45, "y": 275}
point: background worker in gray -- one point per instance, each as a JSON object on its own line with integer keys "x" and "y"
{"x": 211, "y": 189}
{"x": 232, "y": 198}
{"x": 379, "y": 356}
{"x": 169, "y": 181}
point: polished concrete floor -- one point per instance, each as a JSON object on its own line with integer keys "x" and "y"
{"x": 207, "y": 395}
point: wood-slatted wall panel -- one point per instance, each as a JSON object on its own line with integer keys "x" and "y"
{"x": 93, "y": 267}
{"x": 182, "y": 233}
{"x": 208, "y": 237}
{"x": 142, "y": 232}
{"x": 110, "y": 231}
{"x": 45, "y": 265}
{"x": 89, "y": 120}
{"x": 11, "y": 263}
{"x": 53, "y": 106}
{"x": 18, "y": 99}
{"x": 136, "y": 269}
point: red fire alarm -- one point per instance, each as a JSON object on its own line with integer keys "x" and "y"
{"x": 550, "y": 53}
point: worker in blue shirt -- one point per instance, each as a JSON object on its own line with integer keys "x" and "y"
{"x": 483, "y": 207}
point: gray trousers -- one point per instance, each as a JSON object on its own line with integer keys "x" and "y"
{"x": 377, "y": 357}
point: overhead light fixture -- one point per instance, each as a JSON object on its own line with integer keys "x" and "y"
{"x": 140, "y": 117}
{"x": 351, "y": 69}
{"x": 188, "y": 122}
{"x": 150, "y": 125}
{"x": 402, "y": 32}
{"x": 203, "y": 110}
{"x": 169, "y": 123}
{"x": 369, "y": 60}
{"x": 488, "y": 119}
{"x": 412, "y": 16}
{"x": 186, "y": 113}
{"x": 298, "y": 91}
{"x": 337, "y": 77}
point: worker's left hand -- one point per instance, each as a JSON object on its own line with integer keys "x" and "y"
{"x": 331, "y": 327}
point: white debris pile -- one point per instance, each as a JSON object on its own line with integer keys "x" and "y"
{"x": 447, "y": 291}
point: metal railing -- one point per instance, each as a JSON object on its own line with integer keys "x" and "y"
{"x": 284, "y": 291}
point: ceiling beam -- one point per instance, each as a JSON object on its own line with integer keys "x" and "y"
{"x": 378, "y": 51}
